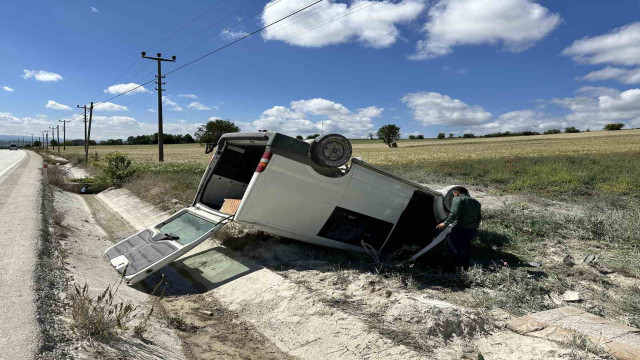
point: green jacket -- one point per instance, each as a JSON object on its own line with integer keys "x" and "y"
{"x": 465, "y": 213}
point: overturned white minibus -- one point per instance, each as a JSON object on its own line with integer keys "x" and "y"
{"x": 302, "y": 190}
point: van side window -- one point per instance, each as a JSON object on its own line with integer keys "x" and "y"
{"x": 351, "y": 227}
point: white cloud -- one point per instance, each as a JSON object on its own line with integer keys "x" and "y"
{"x": 57, "y": 106}
{"x": 114, "y": 120}
{"x": 516, "y": 24}
{"x": 41, "y": 75}
{"x": 595, "y": 107}
{"x": 372, "y": 23}
{"x": 167, "y": 100}
{"x": 13, "y": 125}
{"x": 109, "y": 106}
{"x": 230, "y": 34}
{"x": 188, "y": 96}
{"x": 432, "y": 108}
{"x": 619, "y": 46}
{"x": 518, "y": 121}
{"x": 93, "y": 10}
{"x": 6, "y": 88}
{"x": 132, "y": 88}
{"x": 198, "y": 106}
{"x": 622, "y": 75}
{"x": 304, "y": 117}
{"x": 151, "y": 110}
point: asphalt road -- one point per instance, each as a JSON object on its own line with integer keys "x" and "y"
{"x": 20, "y": 191}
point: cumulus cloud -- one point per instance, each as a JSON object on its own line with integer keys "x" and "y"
{"x": 230, "y": 34}
{"x": 57, "y": 106}
{"x": 518, "y": 121}
{"x": 304, "y": 117}
{"x": 622, "y": 75}
{"x": 6, "y": 88}
{"x": 109, "y": 106}
{"x": 619, "y": 46}
{"x": 198, "y": 106}
{"x": 168, "y": 101}
{"x": 515, "y": 24}
{"x": 132, "y": 88}
{"x": 432, "y": 108}
{"x": 188, "y": 96}
{"x": 372, "y": 23}
{"x": 594, "y": 107}
{"x": 14, "y": 125}
{"x": 41, "y": 75}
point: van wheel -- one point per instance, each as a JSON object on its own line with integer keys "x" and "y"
{"x": 331, "y": 150}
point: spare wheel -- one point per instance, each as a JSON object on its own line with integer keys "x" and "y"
{"x": 331, "y": 150}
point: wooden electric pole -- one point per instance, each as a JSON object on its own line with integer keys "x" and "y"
{"x": 88, "y": 134}
{"x": 46, "y": 132}
{"x": 53, "y": 136}
{"x": 159, "y": 77}
{"x": 64, "y": 133}
{"x": 58, "y": 131}
{"x": 85, "y": 128}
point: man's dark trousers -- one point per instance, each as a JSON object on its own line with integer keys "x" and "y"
{"x": 460, "y": 246}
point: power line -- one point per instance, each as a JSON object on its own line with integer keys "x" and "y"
{"x": 244, "y": 37}
{"x": 187, "y": 24}
{"x": 238, "y": 22}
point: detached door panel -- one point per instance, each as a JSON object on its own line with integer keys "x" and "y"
{"x": 146, "y": 252}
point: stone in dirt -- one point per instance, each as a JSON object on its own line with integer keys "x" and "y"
{"x": 562, "y": 324}
{"x": 571, "y": 296}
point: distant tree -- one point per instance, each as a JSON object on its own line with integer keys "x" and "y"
{"x": 188, "y": 139}
{"x": 112, "y": 142}
{"x": 54, "y": 143}
{"x": 371, "y": 136}
{"x": 552, "y": 131}
{"x": 412, "y": 137}
{"x": 441, "y": 135}
{"x": 299, "y": 137}
{"x": 309, "y": 137}
{"x": 92, "y": 142}
{"x": 588, "y": 130}
{"x": 468, "y": 135}
{"x": 420, "y": 136}
{"x": 571, "y": 129}
{"x": 213, "y": 130}
{"x": 37, "y": 143}
{"x": 451, "y": 135}
{"x": 389, "y": 134}
{"x": 614, "y": 126}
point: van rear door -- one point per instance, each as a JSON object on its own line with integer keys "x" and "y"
{"x": 146, "y": 252}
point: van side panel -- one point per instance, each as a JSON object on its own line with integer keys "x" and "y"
{"x": 292, "y": 196}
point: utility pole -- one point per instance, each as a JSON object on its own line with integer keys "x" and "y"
{"x": 85, "y": 128}
{"x": 31, "y": 140}
{"x": 159, "y": 77}
{"x": 88, "y": 134}
{"x": 46, "y": 132}
{"x": 53, "y": 135}
{"x": 58, "y": 131}
{"x": 64, "y": 133}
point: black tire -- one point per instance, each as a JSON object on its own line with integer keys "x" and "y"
{"x": 331, "y": 150}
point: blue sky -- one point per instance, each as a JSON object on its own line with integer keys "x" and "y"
{"x": 429, "y": 66}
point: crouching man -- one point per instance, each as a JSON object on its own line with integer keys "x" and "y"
{"x": 464, "y": 221}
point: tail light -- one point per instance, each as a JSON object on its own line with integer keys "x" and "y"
{"x": 264, "y": 161}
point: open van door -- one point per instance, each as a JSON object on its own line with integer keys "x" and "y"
{"x": 146, "y": 252}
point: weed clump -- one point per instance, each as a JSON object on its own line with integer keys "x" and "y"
{"x": 98, "y": 317}
{"x": 116, "y": 168}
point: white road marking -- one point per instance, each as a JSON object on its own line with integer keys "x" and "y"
{"x": 13, "y": 164}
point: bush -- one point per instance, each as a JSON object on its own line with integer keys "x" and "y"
{"x": 116, "y": 168}
{"x": 299, "y": 137}
{"x": 441, "y": 136}
{"x": 309, "y": 137}
{"x": 571, "y": 130}
{"x": 468, "y": 136}
{"x": 420, "y": 136}
{"x": 615, "y": 126}
{"x": 552, "y": 131}
{"x": 412, "y": 137}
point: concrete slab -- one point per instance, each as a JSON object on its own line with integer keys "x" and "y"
{"x": 561, "y": 324}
